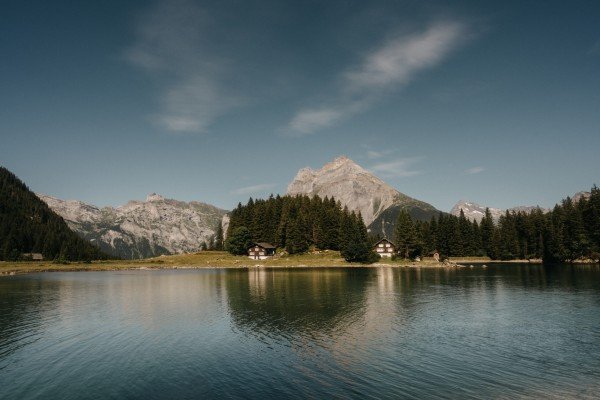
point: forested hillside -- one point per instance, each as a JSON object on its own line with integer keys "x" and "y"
{"x": 27, "y": 225}
{"x": 298, "y": 222}
{"x": 569, "y": 232}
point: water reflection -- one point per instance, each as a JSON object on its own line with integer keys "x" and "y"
{"x": 503, "y": 331}
{"x": 276, "y": 301}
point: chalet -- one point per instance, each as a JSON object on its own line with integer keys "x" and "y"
{"x": 32, "y": 256}
{"x": 260, "y": 251}
{"x": 385, "y": 248}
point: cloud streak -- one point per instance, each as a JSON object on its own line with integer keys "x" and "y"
{"x": 253, "y": 189}
{"x": 173, "y": 46}
{"x": 474, "y": 170}
{"x": 399, "y": 168}
{"x": 373, "y": 155}
{"x": 391, "y": 66}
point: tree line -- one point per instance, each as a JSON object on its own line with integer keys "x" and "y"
{"x": 28, "y": 225}
{"x": 568, "y": 232}
{"x": 296, "y": 223}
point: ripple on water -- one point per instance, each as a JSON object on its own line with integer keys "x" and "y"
{"x": 518, "y": 332}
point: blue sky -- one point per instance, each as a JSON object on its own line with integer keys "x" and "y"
{"x": 496, "y": 102}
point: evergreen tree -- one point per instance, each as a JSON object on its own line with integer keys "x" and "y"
{"x": 218, "y": 241}
{"x": 238, "y": 241}
{"x": 296, "y": 240}
{"x": 355, "y": 242}
{"x": 487, "y": 232}
{"x": 406, "y": 237}
{"x": 28, "y": 225}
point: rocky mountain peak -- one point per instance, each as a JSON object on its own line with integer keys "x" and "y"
{"x": 154, "y": 197}
{"x": 354, "y": 187}
{"x": 581, "y": 195}
{"x": 344, "y": 163}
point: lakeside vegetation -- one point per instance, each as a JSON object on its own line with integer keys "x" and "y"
{"x": 569, "y": 232}
{"x": 298, "y": 223}
{"x": 223, "y": 259}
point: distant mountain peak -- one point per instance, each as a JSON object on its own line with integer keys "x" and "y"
{"x": 154, "y": 197}
{"x": 342, "y": 162}
{"x": 476, "y": 212}
{"x": 359, "y": 190}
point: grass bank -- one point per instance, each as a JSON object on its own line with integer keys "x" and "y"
{"x": 221, "y": 259}
{"x": 206, "y": 259}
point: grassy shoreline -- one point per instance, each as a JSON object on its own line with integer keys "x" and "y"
{"x": 215, "y": 259}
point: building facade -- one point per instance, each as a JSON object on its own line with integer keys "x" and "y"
{"x": 385, "y": 248}
{"x": 261, "y": 251}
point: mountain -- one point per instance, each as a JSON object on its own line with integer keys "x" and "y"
{"x": 581, "y": 195}
{"x": 28, "y": 225}
{"x": 141, "y": 229}
{"x": 359, "y": 190}
{"x": 475, "y": 212}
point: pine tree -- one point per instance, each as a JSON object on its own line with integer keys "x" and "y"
{"x": 296, "y": 241}
{"x": 238, "y": 241}
{"x": 406, "y": 237}
{"x": 487, "y": 232}
{"x": 218, "y": 241}
{"x": 355, "y": 245}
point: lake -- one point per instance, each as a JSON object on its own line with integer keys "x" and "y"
{"x": 506, "y": 331}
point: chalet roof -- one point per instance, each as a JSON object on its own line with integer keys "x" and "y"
{"x": 264, "y": 245}
{"x": 385, "y": 240}
{"x": 34, "y": 256}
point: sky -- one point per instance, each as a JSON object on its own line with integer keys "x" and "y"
{"x": 217, "y": 101}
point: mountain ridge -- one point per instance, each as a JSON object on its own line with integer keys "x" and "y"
{"x": 140, "y": 229}
{"x": 475, "y": 211}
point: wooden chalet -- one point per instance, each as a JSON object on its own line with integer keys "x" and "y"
{"x": 32, "y": 256}
{"x": 385, "y": 248}
{"x": 261, "y": 251}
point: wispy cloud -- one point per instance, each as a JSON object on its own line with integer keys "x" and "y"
{"x": 399, "y": 168}
{"x": 172, "y": 46}
{"x": 373, "y": 155}
{"x": 474, "y": 170}
{"x": 260, "y": 188}
{"x": 390, "y": 66}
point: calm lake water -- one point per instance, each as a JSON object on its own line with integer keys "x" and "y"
{"x": 510, "y": 331}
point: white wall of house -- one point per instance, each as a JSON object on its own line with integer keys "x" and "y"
{"x": 258, "y": 257}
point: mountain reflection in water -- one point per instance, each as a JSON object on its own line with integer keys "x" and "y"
{"x": 505, "y": 331}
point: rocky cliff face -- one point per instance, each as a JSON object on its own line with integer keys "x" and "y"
{"x": 359, "y": 190}
{"x": 141, "y": 229}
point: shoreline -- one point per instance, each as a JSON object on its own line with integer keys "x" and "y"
{"x": 223, "y": 260}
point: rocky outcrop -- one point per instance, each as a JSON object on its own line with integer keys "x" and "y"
{"x": 141, "y": 229}
{"x": 359, "y": 190}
